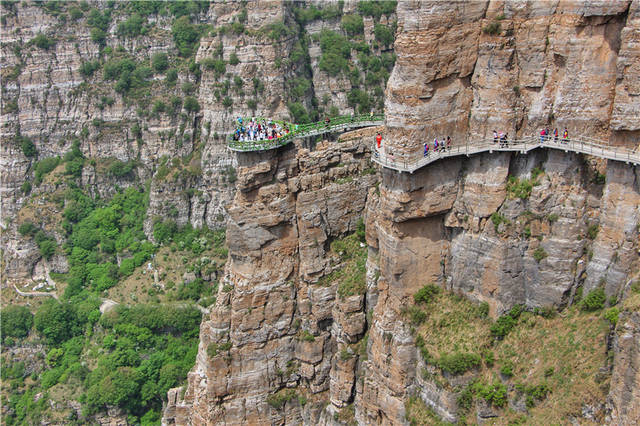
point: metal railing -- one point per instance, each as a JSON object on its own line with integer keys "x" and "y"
{"x": 585, "y": 145}
{"x": 297, "y": 131}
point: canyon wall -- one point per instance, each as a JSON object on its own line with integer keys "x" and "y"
{"x": 463, "y": 69}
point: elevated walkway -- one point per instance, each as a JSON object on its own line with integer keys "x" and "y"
{"x": 337, "y": 124}
{"x": 584, "y": 145}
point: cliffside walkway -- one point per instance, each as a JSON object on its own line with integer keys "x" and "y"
{"x": 582, "y": 144}
{"x": 337, "y": 124}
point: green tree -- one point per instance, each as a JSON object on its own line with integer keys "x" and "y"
{"x": 160, "y": 62}
{"x": 16, "y": 321}
{"x": 57, "y": 321}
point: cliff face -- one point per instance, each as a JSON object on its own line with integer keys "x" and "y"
{"x": 506, "y": 229}
{"x": 274, "y": 327}
{"x": 253, "y": 58}
{"x": 458, "y": 222}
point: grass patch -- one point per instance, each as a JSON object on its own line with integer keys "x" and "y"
{"x": 351, "y": 277}
{"x": 520, "y": 188}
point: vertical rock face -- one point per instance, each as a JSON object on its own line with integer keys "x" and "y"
{"x": 280, "y": 327}
{"x": 624, "y": 396}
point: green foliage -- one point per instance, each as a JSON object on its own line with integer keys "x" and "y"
{"x": 57, "y": 322}
{"x": 376, "y": 8}
{"x": 279, "y": 399}
{"x": 505, "y": 323}
{"x": 213, "y": 349}
{"x": 493, "y": 28}
{"x": 553, "y": 217}
{"x": 44, "y": 167}
{"x": 426, "y": 293}
{"x": 233, "y": 59}
{"x": 517, "y": 188}
{"x": 298, "y": 113}
{"x": 383, "y": 34}
{"x": 497, "y": 219}
{"x": 99, "y": 20}
{"x": 506, "y": 368}
{"x": 416, "y": 315}
{"x": 46, "y": 244}
{"x": 119, "y": 168}
{"x": 495, "y": 394}
{"x": 336, "y": 51}
{"x": 16, "y": 321}
{"x": 594, "y": 301}
{"x": 305, "y": 336}
{"x": 612, "y": 315}
{"x": 458, "y": 362}
{"x": 27, "y": 228}
{"x": 353, "y": 25}
{"x": 599, "y": 178}
{"x": 133, "y": 26}
{"x": 191, "y": 104}
{"x": 27, "y": 146}
{"x": 304, "y": 15}
{"x": 98, "y": 36}
{"x": 25, "y": 187}
{"x": 217, "y": 65}
{"x": 539, "y": 254}
{"x": 360, "y": 230}
{"x": 592, "y": 231}
{"x": 171, "y": 77}
{"x": 89, "y": 67}
{"x": 160, "y": 62}
{"x": 185, "y": 35}
{"x": 43, "y": 42}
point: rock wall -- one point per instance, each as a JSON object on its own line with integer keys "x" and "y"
{"x": 282, "y": 329}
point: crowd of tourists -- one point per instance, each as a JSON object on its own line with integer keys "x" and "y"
{"x": 258, "y": 130}
{"x": 438, "y": 146}
{"x": 545, "y": 135}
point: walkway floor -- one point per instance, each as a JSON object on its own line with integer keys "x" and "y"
{"x": 584, "y": 145}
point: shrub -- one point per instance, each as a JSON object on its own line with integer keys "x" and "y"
{"x": 305, "y": 336}
{"x": 376, "y": 9}
{"x": 279, "y": 399}
{"x": 16, "y": 321}
{"x": 594, "y": 301}
{"x": 57, "y": 321}
{"x": 159, "y": 62}
{"x": 426, "y": 293}
{"x": 185, "y": 35}
{"x": 592, "y": 231}
{"x": 599, "y": 178}
{"x": 335, "y": 52}
{"x": 89, "y": 67}
{"x": 497, "y": 219}
{"x": 233, "y": 59}
{"x": 26, "y": 187}
{"x": 43, "y": 42}
{"x": 27, "y": 228}
{"x": 458, "y": 362}
{"x": 191, "y": 104}
{"x": 552, "y": 218}
{"x": 505, "y": 323}
{"x": 227, "y": 102}
{"x": 353, "y": 24}
{"x": 517, "y": 188}
{"x": 383, "y": 34}
{"x": 27, "y": 146}
{"x": 172, "y": 76}
{"x": 495, "y": 394}
{"x": 507, "y": 368}
{"x": 132, "y": 27}
{"x": 539, "y": 254}
{"x": 611, "y": 315}
{"x": 98, "y": 36}
{"x": 493, "y": 28}
{"x": 44, "y": 167}
{"x": 416, "y": 315}
{"x": 121, "y": 168}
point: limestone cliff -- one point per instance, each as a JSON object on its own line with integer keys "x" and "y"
{"x": 536, "y": 230}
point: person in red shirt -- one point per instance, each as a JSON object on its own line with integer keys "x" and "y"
{"x": 378, "y": 139}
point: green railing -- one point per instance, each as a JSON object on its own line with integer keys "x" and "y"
{"x": 304, "y": 130}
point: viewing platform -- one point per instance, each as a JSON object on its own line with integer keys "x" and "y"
{"x": 298, "y": 131}
{"x": 582, "y": 144}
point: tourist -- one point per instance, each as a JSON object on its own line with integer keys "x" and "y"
{"x": 435, "y": 145}
{"x": 495, "y": 136}
{"x": 555, "y": 135}
{"x": 426, "y": 149}
{"x": 378, "y": 139}
{"x": 542, "y": 134}
{"x": 565, "y": 136}
{"x": 448, "y": 143}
